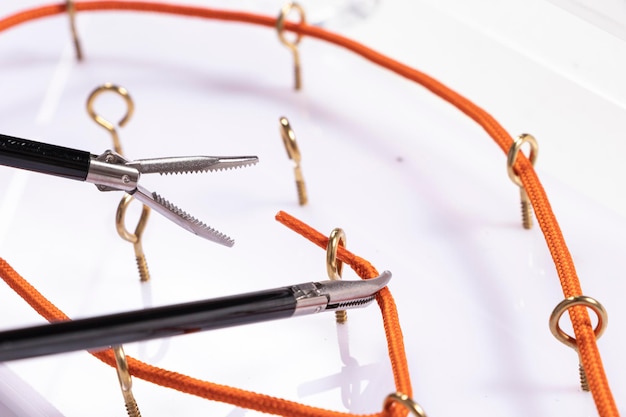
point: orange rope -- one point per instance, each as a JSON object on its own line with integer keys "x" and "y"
{"x": 570, "y": 283}
{"x": 395, "y": 342}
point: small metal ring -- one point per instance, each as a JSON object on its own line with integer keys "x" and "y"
{"x": 130, "y": 105}
{"x": 122, "y": 92}
{"x": 120, "y": 223}
{"x": 280, "y": 24}
{"x": 581, "y": 300}
{"x": 334, "y": 267}
{"x": 406, "y": 401}
{"x": 514, "y": 150}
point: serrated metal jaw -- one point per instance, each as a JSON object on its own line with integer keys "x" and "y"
{"x": 180, "y": 217}
{"x": 191, "y": 164}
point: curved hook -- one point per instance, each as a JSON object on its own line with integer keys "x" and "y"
{"x": 289, "y": 140}
{"x": 126, "y": 382}
{"x": 292, "y": 45}
{"x": 293, "y": 152}
{"x": 334, "y": 267}
{"x": 120, "y": 223}
{"x": 134, "y": 238}
{"x": 122, "y": 92}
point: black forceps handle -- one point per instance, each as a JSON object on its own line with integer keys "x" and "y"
{"x": 178, "y": 319}
{"x": 155, "y": 322}
{"x": 44, "y": 158}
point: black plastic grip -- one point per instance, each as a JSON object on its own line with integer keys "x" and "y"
{"x": 44, "y": 158}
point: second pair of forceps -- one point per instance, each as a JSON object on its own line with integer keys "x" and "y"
{"x": 178, "y": 319}
{"x": 112, "y": 172}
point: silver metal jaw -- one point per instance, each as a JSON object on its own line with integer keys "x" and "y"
{"x": 191, "y": 164}
{"x": 180, "y": 217}
{"x": 112, "y": 172}
{"x": 315, "y": 297}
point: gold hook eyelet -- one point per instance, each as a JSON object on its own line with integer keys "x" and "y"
{"x": 289, "y": 140}
{"x": 527, "y": 210}
{"x": 125, "y": 380}
{"x": 293, "y": 152}
{"x": 406, "y": 401}
{"x": 120, "y": 222}
{"x": 120, "y": 217}
{"x": 130, "y": 108}
{"x": 563, "y": 306}
{"x": 280, "y": 24}
{"x": 134, "y": 238}
{"x": 514, "y": 151}
{"x": 603, "y": 319}
{"x": 292, "y": 45}
{"x": 334, "y": 267}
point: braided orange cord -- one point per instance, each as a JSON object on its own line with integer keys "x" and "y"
{"x": 238, "y": 397}
{"x": 393, "y": 331}
{"x": 570, "y": 283}
{"x": 585, "y": 336}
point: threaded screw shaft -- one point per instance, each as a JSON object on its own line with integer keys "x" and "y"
{"x": 303, "y": 198}
{"x": 341, "y": 316}
{"x": 132, "y": 409}
{"x": 142, "y": 267}
{"x": 527, "y": 209}
{"x": 584, "y": 383}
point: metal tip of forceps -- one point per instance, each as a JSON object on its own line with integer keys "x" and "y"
{"x": 181, "y": 217}
{"x": 116, "y": 329}
{"x": 353, "y": 294}
{"x": 338, "y": 295}
{"x": 110, "y": 171}
{"x": 186, "y": 165}
{"x": 165, "y": 166}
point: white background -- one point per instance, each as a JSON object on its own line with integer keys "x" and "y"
{"x": 419, "y": 189}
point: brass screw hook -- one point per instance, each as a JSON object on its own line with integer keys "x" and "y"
{"x": 603, "y": 320}
{"x": 289, "y": 140}
{"x": 71, "y": 11}
{"x": 334, "y": 267}
{"x": 122, "y": 92}
{"x": 406, "y": 401}
{"x": 120, "y": 225}
{"x": 527, "y": 210}
{"x": 134, "y": 238}
{"x": 292, "y": 45}
{"x": 126, "y": 382}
